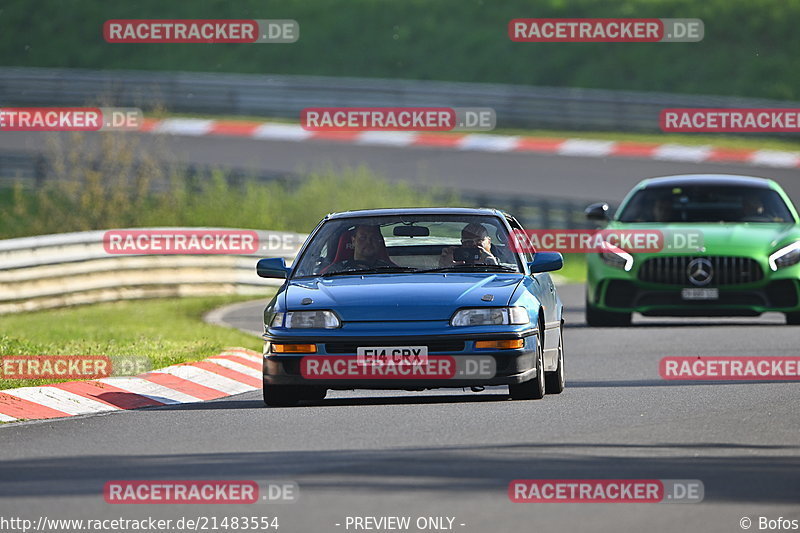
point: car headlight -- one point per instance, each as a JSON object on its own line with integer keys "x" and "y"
{"x": 490, "y": 316}
{"x": 307, "y": 320}
{"x": 785, "y": 257}
{"x": 616, "y": 256}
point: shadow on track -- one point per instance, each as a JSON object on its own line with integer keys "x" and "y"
{"x": 491, "y": 395}
{"x": 731, "y": 472}
{"x": 589, "y": 384}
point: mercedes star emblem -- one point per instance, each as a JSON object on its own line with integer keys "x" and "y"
{"x": 700, "y": 271}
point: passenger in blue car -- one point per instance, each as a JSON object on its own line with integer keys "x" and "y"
{"x": 476, "y": 248}
{"x": 367, "y": 247}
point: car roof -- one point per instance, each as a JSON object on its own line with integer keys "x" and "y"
{"x": 720, "y": 180}
{"x": 418, "y": 211}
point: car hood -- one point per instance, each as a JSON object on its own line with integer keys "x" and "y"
{"x": 390, "y": 297}
{"x": 743, "y": 239}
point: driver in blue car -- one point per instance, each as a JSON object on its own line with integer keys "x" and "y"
{"x": 369, "y": 250}
{"x": 476, "y": 248}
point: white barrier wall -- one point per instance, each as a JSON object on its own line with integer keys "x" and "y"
{"x": 74, "y": 268}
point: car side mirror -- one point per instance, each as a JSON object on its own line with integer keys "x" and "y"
{"x": 546, "y": 262}
{"x": 274, "y": 267}
{"x": 597, "y": 212}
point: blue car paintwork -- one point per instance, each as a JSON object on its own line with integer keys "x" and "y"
{"x": 392, "y": 297}
{"x": 417, "y": 305}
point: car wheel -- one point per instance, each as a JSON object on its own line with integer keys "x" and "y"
{"x": 597, "y": 317}
{"x": 281, "y": 395}
{"x": 793, "y": 319}
{"x": 555, "y": 381}
{"x": 533, "y": 389}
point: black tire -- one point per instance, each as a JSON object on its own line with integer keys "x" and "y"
{"x": 596, "y": 317}
{"x": 281, "y": 395}
{"x": 533, "y": 389}
{"x": 313, "y": 394}
{"x": 793, "y": 319}
{"x": 555, "y": 381}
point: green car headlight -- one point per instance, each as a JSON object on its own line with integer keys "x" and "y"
{"x": 311, "y": 319}
{"x": 490, "y": 316}
{"x": 615, "y": 256}
{"x": 785, "y": 257}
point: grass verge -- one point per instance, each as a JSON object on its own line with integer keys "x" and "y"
{"x": 166, "y": 331}
{"x": 98, "y": 201}
{"x": 574, "y": 270}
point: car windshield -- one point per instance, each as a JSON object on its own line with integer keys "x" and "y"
{"x": 408, "y": 243}
{"x": 706, "y": 203}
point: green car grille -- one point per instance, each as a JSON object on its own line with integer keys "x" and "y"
{"x": 700, "y": 271}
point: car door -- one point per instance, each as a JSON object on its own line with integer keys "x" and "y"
{"x": 543, "y": 288}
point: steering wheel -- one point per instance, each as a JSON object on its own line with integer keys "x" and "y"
{"x": 357, "y": 264}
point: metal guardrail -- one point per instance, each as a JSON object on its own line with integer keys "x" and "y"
{"x": 74, "y": 268}
{"x": 285, "y": 96}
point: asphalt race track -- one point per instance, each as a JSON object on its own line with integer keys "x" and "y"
{"x": 453, "y": 454}
{"x": 575, "y": 177}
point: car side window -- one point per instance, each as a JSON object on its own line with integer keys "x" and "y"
{"x": 516, "y": 227}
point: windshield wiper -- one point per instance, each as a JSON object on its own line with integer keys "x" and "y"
{"x": 470, "y": 267}
{"x": 373, "y": 270}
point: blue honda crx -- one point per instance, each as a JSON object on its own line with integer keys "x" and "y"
{"x": 413, "y": 299}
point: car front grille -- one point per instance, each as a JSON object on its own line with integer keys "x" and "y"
{"x": 433, "y": 346}
{"x": 724, "y": 270}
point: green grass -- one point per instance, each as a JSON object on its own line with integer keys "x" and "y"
{"x": 99, "y": 201}
{"x": 165, "y": 331}
{"x": 574, "y": 270}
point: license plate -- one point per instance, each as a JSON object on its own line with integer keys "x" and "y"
{"x": 700, "y": 294}
{"x": 392, "y": 355}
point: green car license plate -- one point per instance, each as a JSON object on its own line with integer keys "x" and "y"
{"x": 700, "y": 294}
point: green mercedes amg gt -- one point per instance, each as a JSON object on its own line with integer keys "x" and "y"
{"x": 744, "y": 257}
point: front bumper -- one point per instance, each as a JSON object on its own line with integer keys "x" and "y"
{"x": 510, "y": 366}
{"x": 611, "y": 289}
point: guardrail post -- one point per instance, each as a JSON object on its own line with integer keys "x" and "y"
{"x": 39, "y": 171}
{"x": 544, "y": 213}
{"x": 569, "y": 215}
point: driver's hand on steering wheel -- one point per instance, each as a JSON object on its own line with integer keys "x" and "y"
{"x": 446, "y": 259}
